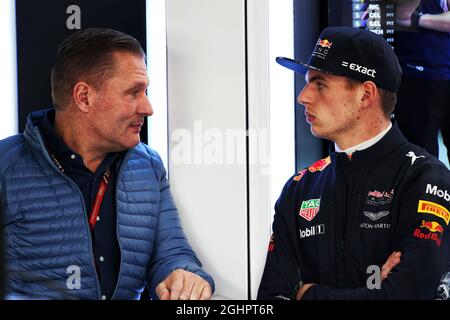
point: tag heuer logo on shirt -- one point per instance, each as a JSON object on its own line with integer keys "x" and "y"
{"x": 309, "y": 209}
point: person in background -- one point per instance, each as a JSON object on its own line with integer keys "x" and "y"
{"x": 88, "y": 212}
{"x": 422, "y": 46}
{"x": 371, "y": 220}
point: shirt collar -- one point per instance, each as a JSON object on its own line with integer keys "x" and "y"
{"x": 55, "y": 144}
{"x": 366, "y": 144}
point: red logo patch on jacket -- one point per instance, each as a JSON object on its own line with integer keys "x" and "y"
{"x": 299, "y": 175}
{"x": 271, "y": 244}
{"x": 434, "y": 233}
{"x": 320, "y": 165}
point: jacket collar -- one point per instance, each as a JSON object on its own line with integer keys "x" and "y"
{"x": 55, "y": 144}
{"x": 34, "y": 138}
{"x": 377, "y": 152}
{"x": 31, "y": 132}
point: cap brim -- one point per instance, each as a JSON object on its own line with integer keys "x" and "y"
{"x": 292, "y": 64}
{"x": 298, "y": 66}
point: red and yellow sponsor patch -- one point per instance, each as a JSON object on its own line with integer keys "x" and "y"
{"x": 433, "y": 236}
{"x": 432, "y": 226}
{"x": 324, "y": 43}
{"x": 299, "y": 175}
{"x": 271, "y": 244}
{"x": 320, "y": 165}
{"x": 434, "y": 209}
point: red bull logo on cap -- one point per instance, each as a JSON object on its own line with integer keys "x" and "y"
{"x": 324, "y": 43}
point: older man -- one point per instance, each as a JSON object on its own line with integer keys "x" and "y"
{"x": 88, "y": 211}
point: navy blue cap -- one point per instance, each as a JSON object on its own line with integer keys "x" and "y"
{"x": 354, "y": 53}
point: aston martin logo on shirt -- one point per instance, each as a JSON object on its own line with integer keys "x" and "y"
{"x": 309, "y": 209}
{"x": 374, "y": 216}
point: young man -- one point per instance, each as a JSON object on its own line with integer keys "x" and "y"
{"x": 88, "y": 210}
{"x": 371, "y": 220}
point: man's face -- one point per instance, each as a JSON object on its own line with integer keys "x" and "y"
{"x": 120, "y": 105}
{"x": 331, "y": 106}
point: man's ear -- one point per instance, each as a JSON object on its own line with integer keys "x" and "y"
{"x": 369, "y": 94}
{"x": 83, "y": 96}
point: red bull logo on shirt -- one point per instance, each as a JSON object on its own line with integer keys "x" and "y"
{"x": 309, "y": 209}
{"x": 433, "y": 226}
{"x": 427, "y": 236}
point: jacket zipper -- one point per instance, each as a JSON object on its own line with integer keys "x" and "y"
{"x": 352, "y": 209}
{"x": 346, "y": 235}
{"x": 341, "y": 243}
{"x": 91, "y": 250}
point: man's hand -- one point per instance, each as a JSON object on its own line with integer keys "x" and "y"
{"x": 302, "y": 290}
{"x": 405, "y": 8}
{"x": 183, "y": 285}
{"x": 406, "y": 23}
{"x": 391, "y": 262}
{"x": 403, "y": 12}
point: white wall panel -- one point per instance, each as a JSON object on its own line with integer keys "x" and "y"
{"x": 282, "y": 93}
{"x": 207, "y": 107}
{"x": 271, "y": 119}
{"x": 157, "y": 73}
{"x": 259, "y": 140}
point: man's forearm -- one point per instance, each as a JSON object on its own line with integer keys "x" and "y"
{"x": 404, "y": 9}
{"x": 438, "y": 22}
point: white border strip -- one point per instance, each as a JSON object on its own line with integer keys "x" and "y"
{"x": 8, "y": 66}
{"x": 282, "y": 87}
{"x": 259, "y": 144}
{"x": 271, "y": 116}
{"x": 157, "y": 70}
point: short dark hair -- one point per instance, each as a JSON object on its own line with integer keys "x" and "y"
{"x": 388, "y": 98}
{"x": 88, "y": 53}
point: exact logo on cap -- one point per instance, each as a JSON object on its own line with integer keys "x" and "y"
{"x": 360, "y": 69}
{"x": 322, "y": 47}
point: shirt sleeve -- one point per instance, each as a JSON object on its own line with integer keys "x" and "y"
{"x": 281, "y": 271}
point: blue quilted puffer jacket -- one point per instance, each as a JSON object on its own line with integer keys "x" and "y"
{"x": 47, "y": 232}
